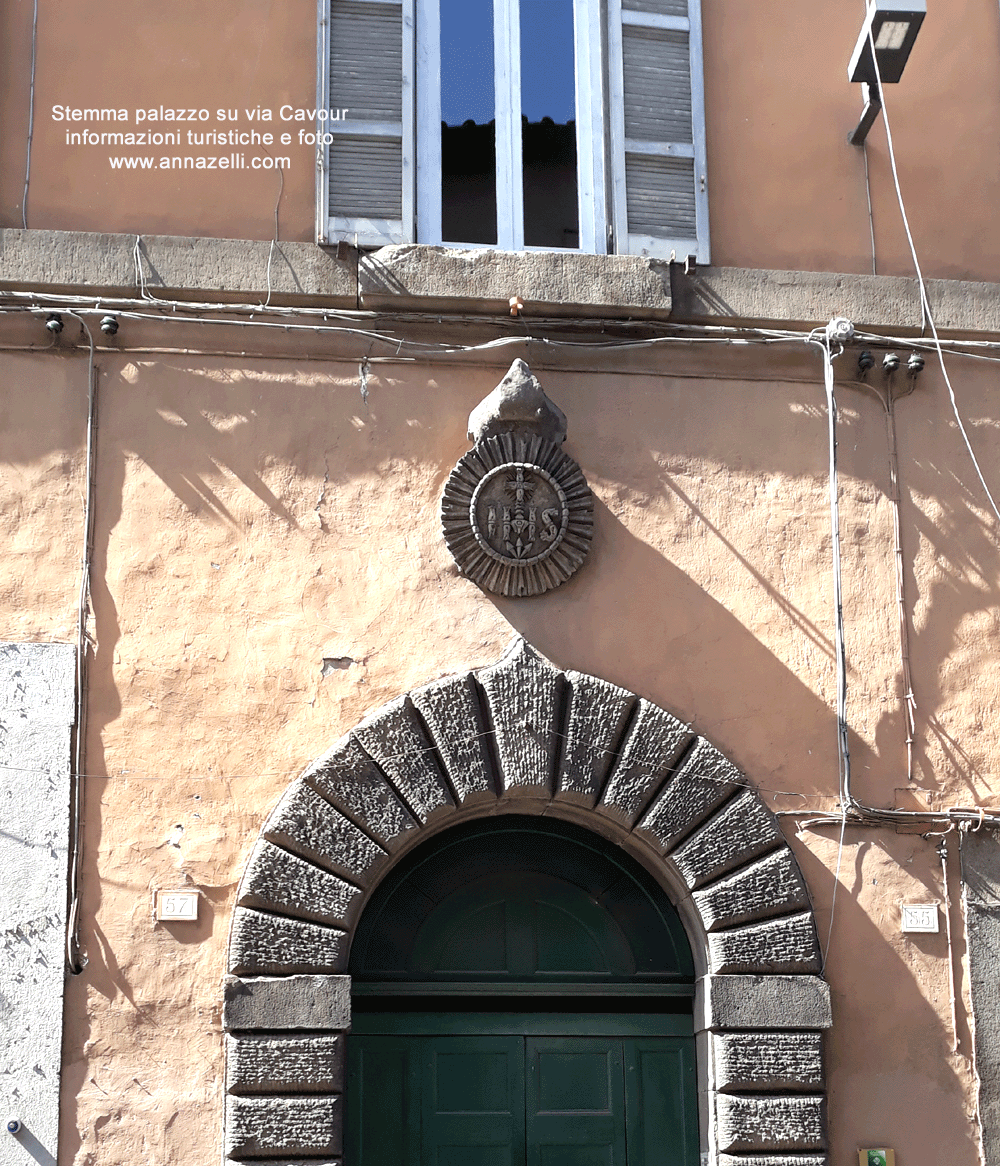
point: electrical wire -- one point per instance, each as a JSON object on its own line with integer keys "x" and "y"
{"x": 75, "y": 960}
{"x": 31, "y": 116}
{"x": 871, "y": 217}
{"x": 970, "y": 1013}
{"x": 868, "y": 184}
{"x": 924, "y": 299}
{"x": 274, "y": 240}
{"x": 840, "y": 654}
{"x": 428, "y": 346}
{"x": 187, "y": 311}
{"x": 888, "y": 403}
{"x": 909, "y": 699}
{"x": 943, "y": 854}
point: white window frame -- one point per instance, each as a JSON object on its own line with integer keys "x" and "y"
{"x": 601, "y": 143}
{"x": 507, "y": 84}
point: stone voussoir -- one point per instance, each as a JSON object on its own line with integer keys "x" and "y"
{"x": 306, "y": 823}
{"x": 523, "y": 692}
{"x": 741, "y": 831}
{"x": 453, "y": 716}
{"x": 276, "y": 879}
{"x": 271, "y": 1126}
{"x": 770, "y": 1123}
{"x": 598, "y": 712}
{"x": 768, "y": 887}
{"x": 782, "y": 946}
{"x": 703, "y": 782}
{"x": 394, "y": 738}
{"x": 259, "y": 1065}
{"x": 349, "y": 778}
{"x": 283, "y": 1003}
{"x": 774, "y": 1061}
{"x": 654, "y": 741}
{"x": 274, "y": 944}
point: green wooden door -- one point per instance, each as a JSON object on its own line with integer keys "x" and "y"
{"x": 383, "y": 1086}
{"x": 575, "y": 1101}
{"x": 512, "y": 1100}
{"x": 521, "y": 998}
{"x": 661, "y": 1102}
{"x": 472, "y": 1101}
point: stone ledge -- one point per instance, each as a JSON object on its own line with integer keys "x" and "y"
{"x": 225, "y": 270}
{"x": 417, "y": 278}
{"x": 721, "y": 295}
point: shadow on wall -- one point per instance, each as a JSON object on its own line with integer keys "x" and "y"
{"x": 630, "y": 616}
{"x": 211, "y": 431}
{"x": 628, "y": 604}
{"x": 887, "y": 1044}
{"x": 33, "y": 1147}
{"x": 964, "y": 581}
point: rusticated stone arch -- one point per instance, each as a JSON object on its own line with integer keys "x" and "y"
{"x": 522, "y": 736}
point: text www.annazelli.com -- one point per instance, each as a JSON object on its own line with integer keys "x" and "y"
{"x": 201, "y": 162}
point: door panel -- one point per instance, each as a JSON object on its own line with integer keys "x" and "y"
{"x": 473, "y": 1101}
{"x": 575, "y": 1101}
{"x": 661, "y": 1102}
{"x": 383, "y": 1083}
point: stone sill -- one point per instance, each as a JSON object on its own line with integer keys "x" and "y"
{"x": 412, "y": 278}
{"x": 483, "y": 282}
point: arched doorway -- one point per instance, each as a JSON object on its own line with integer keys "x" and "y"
{"x": 523, "y": 739}
{"x": 522, "y": 994}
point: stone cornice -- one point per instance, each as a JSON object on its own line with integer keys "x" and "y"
{"x": 412, "y": 278}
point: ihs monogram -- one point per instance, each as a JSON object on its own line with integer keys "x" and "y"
{"x": 518, "y": 524}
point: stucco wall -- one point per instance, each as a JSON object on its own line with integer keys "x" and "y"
{"x": 257, "y": 516}
{"x": 785, "y": 188}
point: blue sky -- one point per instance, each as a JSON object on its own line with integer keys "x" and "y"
{"x": 547, "y": 82}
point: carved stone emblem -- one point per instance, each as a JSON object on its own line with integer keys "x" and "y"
{"x": 517, "y": 511}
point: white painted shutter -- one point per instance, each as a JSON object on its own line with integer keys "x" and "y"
{"x": 659, "y": 186}
{"x": 366, "y": 171}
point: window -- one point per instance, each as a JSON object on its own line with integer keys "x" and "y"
{"x": 554, "y": 124}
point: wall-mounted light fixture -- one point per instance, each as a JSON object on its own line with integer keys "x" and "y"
{"x": 892, "y": 26}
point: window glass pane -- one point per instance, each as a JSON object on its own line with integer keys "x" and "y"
{"x": 468, "y": 125}
{"x": 548, "y": 124}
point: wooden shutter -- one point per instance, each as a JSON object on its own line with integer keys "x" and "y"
{"x": 659, "y": 186}
{"x": 366, "y": 171}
